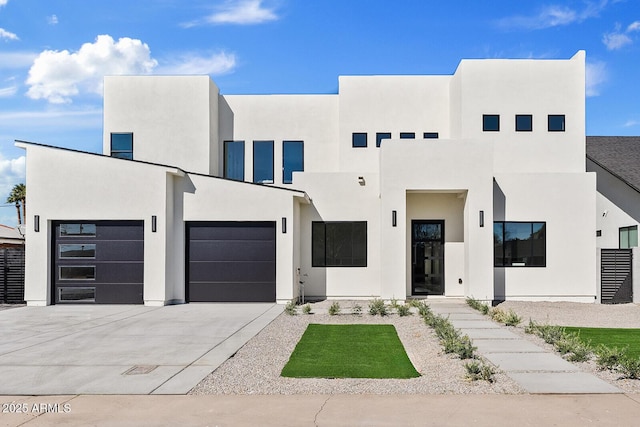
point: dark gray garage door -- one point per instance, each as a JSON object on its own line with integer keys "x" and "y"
{"x": 231, "y": 261}
{"x": 98, "y": 262}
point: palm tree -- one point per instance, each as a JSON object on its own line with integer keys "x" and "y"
{"x": 18, "y": 196}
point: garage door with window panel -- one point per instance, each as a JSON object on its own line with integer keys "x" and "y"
{"x": 98, "y": 262}
{"x": 231, "y": 261}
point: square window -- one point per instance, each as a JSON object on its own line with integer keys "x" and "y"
{"x": 234, "y": 160}
{"x": 339, "y": 244}
{"x": 628, "y": 237}
{"x": 524, "y": 123}
{"x": 430, "y": 135}
{"x": 380, "y": 136}
{"x": 122, "y": 145}
{"x": 519, "y": 244}
{"x": 359, "y": 140}
{"x": 490, "y": 122}
{"x": 556, "y": 123}
{"x": 407, "y": 135}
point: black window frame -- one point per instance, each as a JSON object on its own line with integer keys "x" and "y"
{"x": 528, "y": 126}
{"x": 485, "y": 123}
{"x": 319, "y": 244}
{"x": 407, "y": 135}
{"x": 264, "y": 142}
{"x": 430, "y": 135}
{"x": 225, "y": 171}
{"x": 121, "y": 153}
{"x": 531, "y": 252}
{"x": 285, "y": 173}
{"x": 380, "y": 136}
{"x": 356, "y": 142}
{"x": 551, "y": 118}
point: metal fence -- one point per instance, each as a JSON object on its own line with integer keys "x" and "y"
{"x": 11, "y": 275}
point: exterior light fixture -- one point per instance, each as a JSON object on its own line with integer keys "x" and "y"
{"x": 394, "y": 218}
{"x": 154, "y": 223}
{"x": 284, "y": 225}
{"x": 36, "y": 223}
{"x": 481, "y": 218}
{"x": 361, "y": 180}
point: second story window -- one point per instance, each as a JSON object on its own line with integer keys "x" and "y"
{"x": 556, "y": 122}
{"x": 122, "y": 145}
{"x": 490, "y": 122}
{"x": 263, "y": 162}
{"x": 292, "y": 159}
{"x": 524, "y": 123}
{"x": 380, "y": 136}
{"x": 407, "y": 135}
{"x": 359, "y": 140}
{"x": 234, "y": 160}
{"x": 430, "y": 135}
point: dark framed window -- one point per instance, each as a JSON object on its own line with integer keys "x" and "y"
{"x": 519, "y": 244}
{"x": 263, "y": 162}
{"x": 72, "y": 230}
{"x": 86, "y": 250}
{"x": 556, "y": 122}
{"x": 407, "y": 135}
{"x": 77, "y": 272}
{"x": 122, "y": 145}
{"x": 628, "y": 237}
{"x": 234, "y": 160}
{"x": 76, "y": 294}
{"x": 339, "y": 244}
{"x": 430, "y": 135}
{"x": 359, "y": 139}
{"x": 524, "y": 123}
{"x": 491, "y": 122}
{"x": 380, "y": 136}
{"x": 292, "y": 159}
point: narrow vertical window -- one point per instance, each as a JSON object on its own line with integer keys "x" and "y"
{"x": 234, "y": 160}
{"x": 292, "y": 159}
{"x": 263, "y": 162}
{"x": 122, "y": 145}
{"x": 380, "y": 136}
{"x": 359, "y": 140}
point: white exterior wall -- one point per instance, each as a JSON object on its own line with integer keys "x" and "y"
{"x": 173, "y": 119}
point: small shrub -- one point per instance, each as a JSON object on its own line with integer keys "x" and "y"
{"x": 377, "y": 306}
{"x": 291, "y": 308}
{"x": 334, "y": 308}
{"x": 356, "y": 309}
{"x": 512, "y": 318}
{"x": 497, "y": 315}
{"x": 629, "y": 367}
{"x": 477, "y": 305}
{"x": 416, "y": 303}
{"x": 484, "y": 309}
{"x": 450, "y": 338}
{"x": 404, "y": 310}
{"x": 550, "y": 334}
{"x": 609, "y": 358}
{"x": 306, "y": 309}
{"x": 580, "y": 353}
{"x": 394, "y": 303}
{"x": 477, "y": 371}
{"x": 424, "y": 310}
{"x": 531, "y": 328}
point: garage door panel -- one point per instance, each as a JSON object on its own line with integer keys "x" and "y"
{"x": 119, "y": 230}
{"x": 232, "y": 292}
{"x": 121, "y": 251}
{"x": 231, "y": 250}
{"x": 231, "y": 271}
{"x": 233, "y": 231}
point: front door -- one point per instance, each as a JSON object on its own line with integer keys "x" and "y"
{"x": 427, "y": 257}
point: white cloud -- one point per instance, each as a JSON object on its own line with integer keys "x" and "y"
{"x": 242, "y": 12}
{"x": 12, "y": 172}
{"x": 596, "y": 75}
{"x": 4, "y": 34}
{"x": 618, "y": 39}
{"x": 216, "y": 64}
{"x": 57, "y": 76}
{"x": 634, "y": 26}
{"x": 631, "y": 123}
{"x": 52, "y": 20}
{"x": 3, "y": 2}
{"x": 12, "y": 60}
{"x": 6, "y": 92}
{"x": 553, "y": 16}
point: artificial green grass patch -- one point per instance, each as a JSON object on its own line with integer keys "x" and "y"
{"x": 349, "y": 351}
{"x": 610, "y": 337}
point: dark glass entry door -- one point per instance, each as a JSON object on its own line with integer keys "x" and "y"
{"x": 427, "y": 257}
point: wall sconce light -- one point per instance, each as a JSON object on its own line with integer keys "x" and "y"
{"x": 361, "y": 180}
{"x": 394, "y": 218}
{"x": 36, "y": 223}
{"x": 481, "y": 218}
{"x": 284, "y": 224}
{"x": 154, "y": 223}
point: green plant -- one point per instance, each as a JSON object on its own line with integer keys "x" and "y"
{"x": 306, "y": 309}
{"x": 484, "y": 309}
{"x": 509, "y": 318}
{"x": 394, "y": 303}
{"x": 609, "y": 357}
{"x": 334, "y": 308}
{"x": 356, "y": 309}
{"x": 477, "y": 305}
{"x": 531, "y": 328}
{"x": 377, "y": 306}
{"x": 450, "y": 338}
{"x": 416, "y": 303}
{"x": 575, "y": 349}
{"x": 549, "y": 333}
{"x": 477, "y": 370}
{"x": 424, "y": 310}
{"x": 629, "y": 367}
{"x": 291, "y": 308}
{"x": 404, "y": 310}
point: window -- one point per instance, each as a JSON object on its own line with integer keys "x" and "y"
{"x": 430, "y": 135}
{"x": 339, "y": 244}
{"x": 71, "y": 230}
{"x": 519, "y": 244}
{"x": 263, "y": 162}
{"x": 122, "y": 145}
{"x": 556, "y": 122}
{"x": 80, "y": 272}
{"x": 77, "y": 251}
{"x": 628, "y": 237}
{"x": 359, "y": 140}
{"x": 490, "y": 122}
{"x": 407, "y": 135}
{"x": 292, "y": 159}
{"x": 380, "y": 136}
{"x": 234, "y": 160}
{"x": 76, "y": 294}
{"x": 524, "y": 122}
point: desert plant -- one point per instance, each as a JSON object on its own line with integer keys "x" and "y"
{"x": 450, "y": 338}
{"x": 424, "y": 310}
{"x": 404, "y": 310}
{"x": 377, "y": 306}
{"x": 477, "y": 305}
{"x": 356, "y": 309}
{"x": 415, "y": 303}
{"x": 549, "y": 333}
{"x": 306, "y": 309}
{"x": 609, "y": 358}
{"x": 629, "y": 367}
{"x": 512, "y": 319}
{"x": 477, "y": 370}
{"x": 575, "y": 349}
{"x": 531, "y": 328}
{"x": 334, "y": 308}
{"x": 291, "y": 308}
{"x": 394, "y": 303}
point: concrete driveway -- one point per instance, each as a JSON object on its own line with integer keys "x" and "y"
{"x": 116, "y": 349}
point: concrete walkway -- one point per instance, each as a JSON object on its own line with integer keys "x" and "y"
{"x": 533, "y": 367}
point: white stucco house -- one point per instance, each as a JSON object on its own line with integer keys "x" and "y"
{"x": 470, "y": 184}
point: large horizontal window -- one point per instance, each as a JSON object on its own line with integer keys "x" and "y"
{"x": 68, "y": 294}
{"x": 85, "y": 230}
{"x": 77, "y": 251}
{"x": 519, "y": 244}
{"x": 122, "y": 145}
{"x": 339, "y": 244}
{"x": 77, "y": 272}
{"x": 263, "y": 162}
{"x": 628, "y": 237}
{"x": 234, "y": 160}
{"x": 292, "y": 159}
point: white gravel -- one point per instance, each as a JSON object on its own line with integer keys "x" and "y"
{"x": 256, "y": 367}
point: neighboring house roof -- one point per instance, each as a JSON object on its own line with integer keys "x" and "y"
{"x": 10, "y": 235}
{"x": 619, "y": 155}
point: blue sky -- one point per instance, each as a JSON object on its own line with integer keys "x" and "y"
{"x": 54, "y": 53}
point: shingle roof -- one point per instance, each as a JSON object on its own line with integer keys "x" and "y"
{"x": 620, "y": 155}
